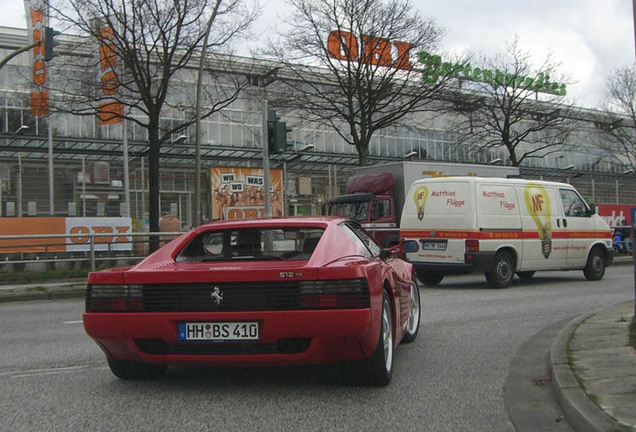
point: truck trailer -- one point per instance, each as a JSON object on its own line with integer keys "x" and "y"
{"x": 376, "y": 193}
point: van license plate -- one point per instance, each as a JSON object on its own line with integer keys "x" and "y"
{"x": 434, "y": 245}
{"x": 218, "y": 331}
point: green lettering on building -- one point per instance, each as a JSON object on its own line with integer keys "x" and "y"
{"x": 434, "y": 68}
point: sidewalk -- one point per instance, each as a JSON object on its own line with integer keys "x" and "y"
{"x": 43, "y": 290}
{"x": 593, "y": 371}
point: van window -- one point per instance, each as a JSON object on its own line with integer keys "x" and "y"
{"x": 573, "y": 204}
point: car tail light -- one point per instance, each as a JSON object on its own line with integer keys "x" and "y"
{"x": 114, "y": 298}
{"x": 335, "y": 294}
{"x": 472, "y": 246}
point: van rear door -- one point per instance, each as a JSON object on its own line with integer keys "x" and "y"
{"x": 499, "y": 216}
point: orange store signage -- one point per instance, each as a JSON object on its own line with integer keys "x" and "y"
{"x": 373, "y": 50}
{"x": 110, "y": 233}
{"x": 110, "y": 109}
{"x": 36, "y": 21}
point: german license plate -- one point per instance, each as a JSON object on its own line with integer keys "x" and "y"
{"x": 434, "y": 245}
{"x": 218, "y": 331}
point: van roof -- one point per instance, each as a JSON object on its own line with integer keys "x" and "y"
{"x": 474, "y": 179}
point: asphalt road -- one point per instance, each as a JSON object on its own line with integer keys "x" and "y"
{"x": 54, "y": 378}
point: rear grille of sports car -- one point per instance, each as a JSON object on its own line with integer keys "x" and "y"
{"x": 261, "y": 296}
{"x": 228, "y": 297}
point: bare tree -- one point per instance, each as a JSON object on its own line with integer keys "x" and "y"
{"x": 510, "y": 104}
{"x": 618, "y": 140}
{"x": 151, "y": 51}
{"x": 348, "y": 65}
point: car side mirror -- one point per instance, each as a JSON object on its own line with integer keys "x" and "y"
{"x": 592, "y": 209}
{"x": 396, "y": 250}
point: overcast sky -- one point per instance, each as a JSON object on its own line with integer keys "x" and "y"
{"x": 589, "y": 37}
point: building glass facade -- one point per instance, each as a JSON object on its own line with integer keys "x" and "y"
{"x": 84, "y": 160}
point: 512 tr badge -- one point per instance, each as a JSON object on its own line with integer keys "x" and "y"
{"x": 284, "y": 275}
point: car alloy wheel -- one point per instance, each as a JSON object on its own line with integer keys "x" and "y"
{"x": 377, "y": 369}
{"x": 387, "y": 335}
{"x": 413, "y": 325}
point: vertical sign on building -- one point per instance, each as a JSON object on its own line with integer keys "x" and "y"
{"x": 37, "y": 19}
{"x": 111, "y": 110}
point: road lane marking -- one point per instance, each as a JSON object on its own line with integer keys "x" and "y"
{"x": 37, "y": 372}
{"x": 73, "y": 322}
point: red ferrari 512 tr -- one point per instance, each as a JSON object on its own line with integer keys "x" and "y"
{"x": 279, "y": 291}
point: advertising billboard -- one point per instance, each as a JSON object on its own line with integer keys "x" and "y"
{"x": 237, "y": 193}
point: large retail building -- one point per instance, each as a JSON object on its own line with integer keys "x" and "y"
{"x": 76, "y": 167}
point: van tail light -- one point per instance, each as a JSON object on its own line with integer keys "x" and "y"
{"x": 114, "y": 298}
{"x": 472, "y": 246}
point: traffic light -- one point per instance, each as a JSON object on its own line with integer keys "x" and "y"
{"x": 49, "y": 43}
{"x": 276, "y": 133}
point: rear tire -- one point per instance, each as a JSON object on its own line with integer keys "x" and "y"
{"x": 503, "y": 270}
{"x": 430, "y": 279}
{"x": 413, "y": 326}
{"x": 595, "y": 267}
{"x": 376, "y": 370}
{"x": 132, "y": 370}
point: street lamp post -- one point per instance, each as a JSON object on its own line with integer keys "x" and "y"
{"x": 264, "y": 141}
{"x": 19, "y": 197}
{"x": 262, "y": 82}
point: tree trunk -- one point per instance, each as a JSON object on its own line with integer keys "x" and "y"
{"x": 363, "y": 152}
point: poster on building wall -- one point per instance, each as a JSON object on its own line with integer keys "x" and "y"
{"x": 237, "y": 193}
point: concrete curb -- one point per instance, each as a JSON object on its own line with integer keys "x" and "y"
{"x": 43, "y": 292}
{"x": 580, "y": 412}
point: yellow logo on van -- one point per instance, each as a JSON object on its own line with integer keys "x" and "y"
{"x": 540, "y": 208}
{"x": 419, "y": 197}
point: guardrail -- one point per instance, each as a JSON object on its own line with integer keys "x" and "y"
{"x": 48, "y": 250}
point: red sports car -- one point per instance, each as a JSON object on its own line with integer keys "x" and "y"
{"x": 280, "y": 291}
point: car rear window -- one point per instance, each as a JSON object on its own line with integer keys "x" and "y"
{"x": 281, "y": 243}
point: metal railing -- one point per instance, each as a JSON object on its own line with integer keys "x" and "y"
{"x": 85, "y": 249}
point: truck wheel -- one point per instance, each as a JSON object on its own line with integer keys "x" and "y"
{"x": 430, "y": 279}
{"x": 595, "y": 267}
{"x": 502, "y": 270}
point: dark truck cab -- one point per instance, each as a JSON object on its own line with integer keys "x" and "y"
{"x": 370, "y": 201}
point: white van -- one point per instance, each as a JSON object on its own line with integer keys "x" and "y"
{"x": 501, "y": 227}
